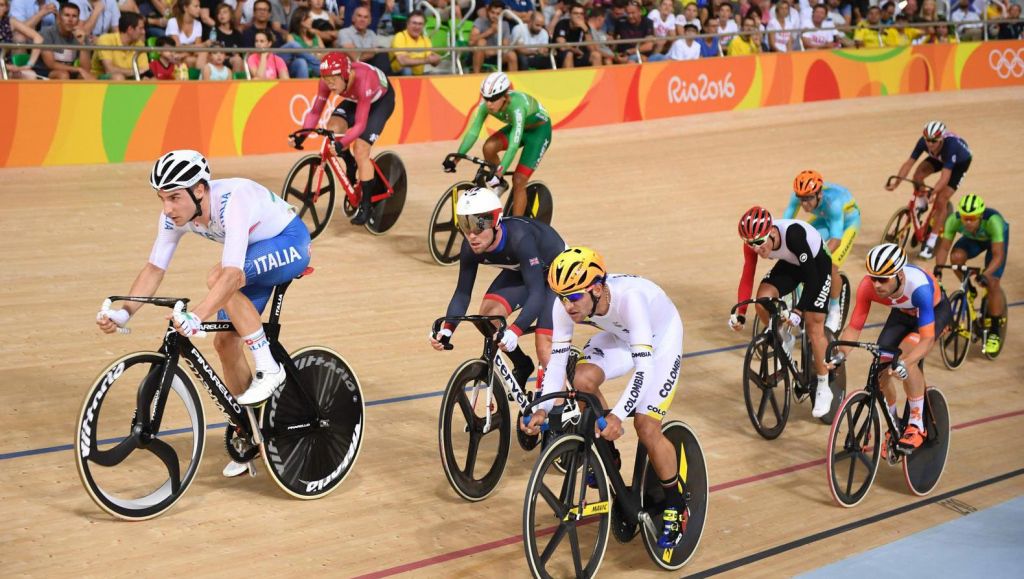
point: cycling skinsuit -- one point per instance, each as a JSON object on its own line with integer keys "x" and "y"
{"x": 526, "y": 249}
{"x": 836, "y": 217}
{"x": 955, "y": 156}
{"x": 366, "y": 105}
{"x": 260, "y": 232}
{"x": 992, "y": 229}
{"x": 921, "y": 308}
{"x": 527, "y": 125}
{"x": 802, "y": 258}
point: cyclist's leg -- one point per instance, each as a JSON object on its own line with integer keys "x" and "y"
{"x": 380, "y": 112}
{"x": 996, "y": 307}
{"x": 814, "y": 325}
{"x": 495, "y": 145}
{"x": 897, "y": 327}
{"x": 943, "y": 195}
{"x": 963, "y": 250}
{"x": 926, "y": 167}
{"x": 506, "y": 294}
{"x": 341, "y": 119}
{"x": 542, "y": 335}
{"x": 535, "y": 144}
{"x": 237, "y": 374}
{"x": 821, "y": 226}
{"x": 604, "y": 358}
{"x": 780, "y": 281}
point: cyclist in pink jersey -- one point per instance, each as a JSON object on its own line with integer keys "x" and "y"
{"x": 367, "y": 103}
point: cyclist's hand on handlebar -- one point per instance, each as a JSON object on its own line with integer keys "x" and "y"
{"x": 891, "y": 185}
{"x": 508, "y": 341}
{"x": 836, "y": 361}
{"x": 612, "y": 430}
{"x": 536, "y": 420}
{"x": 110, "y": 320}
{"x": 438, "y": 340}
{"x": 495, "y": 179}
{"x": 295, "y": 141}
{"x": 736, "y": 322}
{"x": 794, "y": 318}
{"x": 899, "y": 370}
{"x": 187, "y": 323}
{"x": 982, "y": 278}
{"x": 449, "y": 164}
{"x": 937, "y": 273}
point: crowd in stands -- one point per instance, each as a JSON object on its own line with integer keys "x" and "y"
{"x": 521, "y": 29}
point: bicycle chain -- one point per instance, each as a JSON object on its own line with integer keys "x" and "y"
{"x": 245, "y": 451}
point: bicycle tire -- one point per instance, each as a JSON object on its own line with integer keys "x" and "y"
{"x": 765, "y": 384}
{"x": 538, "y": 514}
{"x": 845, "y": 294}
{"x": 310, "y": 451}
{"x": 854, "y": 437}
{"x": 923, "y": 468}
{"x": 297, "y": 191}
{"x": 957, "y": 340}
{"x": 105, "y": 398}
{"x": 386, "y": 213}
{"x": 540, "y": 203}
{"x": 693, "y": 471}
{"x": 472, "y": 374}
{"x": 899, "y": 229}
{"x": 444, "y": 240}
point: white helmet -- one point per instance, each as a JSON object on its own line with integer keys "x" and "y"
{"x": 885, "y": 260}
{"x": 478, "y": 209}
{"x": 495, "y": 85}
{"x": 934, "y": 130}
{"x": 179, "y": 169}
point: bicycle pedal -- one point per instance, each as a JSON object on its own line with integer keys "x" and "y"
{"x": 252, "y": 467}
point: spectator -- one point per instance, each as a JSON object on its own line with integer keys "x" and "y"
{"x": 215, "y": 68}
{"x": 60, "y": 64}
{"x": 778, "y": 39}
{"x": 908, "y": 7}
{"x": 485, "y": 33}
{"x": 689, "y": 16}
{"x": 225, "y": 34}
{"x": 618, "y": 12}
{"x": 903, "y": 35}
{"x": 575, "y": 29}
{"x": 865, "y": 37}
{"x": 525, "y": 40}
{"x": 939, "y": 33}
{"x": 663, "y": 20}
{"x": 34, "y": 14}
{"x": 117, "y": 64}
{"x": 266, "y": 65}
{"x": 747, "y": 42}
{"x": 1011, "y": 31}
{"x": 9, "y": 27}
{"x": 186, "y": 29}
{"x": 687, "y": 47}
{"x": 275, "y": 17}
{"x": 261, "y": 10}
{"x": 163, "y": 68}
{"x": 888, "y": 12}
{"x": 823, "y": 34}
{"x": 601, "y": 52}
{"x": 412, "y": 63}
{"x": 927, "y": 12}
{"x": 524, "y": 9}
{"x": 359, "y": 36}
{"x": 325, "y": 24}
{"x": 300, "y": 29}
{"x": 96, "y": 17}
{"x": 726, "y": 24}
{"x": 837, "y": 18}
{"x": 965, "y": 12}
{"x": 633, "y": 26}
{"x": 709, "y": 46}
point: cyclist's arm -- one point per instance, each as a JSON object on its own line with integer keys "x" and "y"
{"x": 796, "y": 241}
{"x": 923, "y": 299}
{"x": 996, "y": 227}
{"x": 944, "y": 177}
{"x": 313, "y": 115}
{"x": 746, "y": 287}
{"x": 464, "y": 288}
{"x": 945, "y": 244}
{"x": 238, "y": 218}
{"x": 865, "y": 293}
{"x": 561, "y": 335}
{"x": 473, "y": 129}
{"x": 534, "y": 277}
{"x": 792, "y": 208}
{"x": 145, "y": 284}
{"x": 641, "y": 347}
{"x": 362, "y": 115}
{"x": 515, "y": 136}
{"x": 835, "y": 218}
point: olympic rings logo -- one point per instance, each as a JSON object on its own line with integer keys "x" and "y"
{"x": 1007, "y": 63}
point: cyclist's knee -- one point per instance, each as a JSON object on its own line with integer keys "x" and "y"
{"x": 767, "y": 290}
{"x": 519, "y": 180}
{"x": 361, "y": 151}
{"x": 588, "y": 378}
{"x": 337, "y": 125}
{"x": 648, "y": 430}
{"x": 489, "y": 307}
{"x": 958, "y": 257}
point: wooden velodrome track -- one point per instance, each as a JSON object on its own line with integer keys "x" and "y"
{"x": 659, "y": 199}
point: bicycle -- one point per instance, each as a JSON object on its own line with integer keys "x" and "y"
{"x": 793, "y": 298}
{"x": 444, "y": 238}
{"x": 854, "y": 436}
{"x": 309, "y": 433}
{"x": 909, "y": 227}
{"x": 304, "y": 187}
{"x": 965, "y": 327}
{"x": 768, "y": 369}
{"x": 491, "y": 376}
{"x": 587, "y": 514}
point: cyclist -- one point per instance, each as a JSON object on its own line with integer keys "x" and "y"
{"x": 947, "y": 153}
{"x": 837, "y": 219}
{"x": 265, "y": 244}
{"x": 528, "y": 126}
{"x": 981, "y": 229}
{"x": 367, "y": 104}
{"x": 919, "y": 313}
{"x": 802, "y": 258}
{"x": 522, "y": 249}
{"x": 641, "y": 331}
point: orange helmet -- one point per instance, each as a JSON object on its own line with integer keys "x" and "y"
{"x": 808, "y": 183}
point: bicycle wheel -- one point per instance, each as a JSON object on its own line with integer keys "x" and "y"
{"x": 844, "y": 301}
{"x": 1005, "y": 323}
{"x": 899, "y": 229}
{"x": 309, "y": 450}
{"x": 444, "y": 240}
{"x": 924, "y": 467}
{"x": 299, "y": 190}
{"x": 853, "y": 456}
{"x": 766, "y": 387}
{"x": 123, "y": 482}
{"x": 539, "y": 201}
{"x": 693, "y": 471}
{"x": 386, "y": 213}
{"x": 554, "y": 497}
{"x": 466, "y": 449}
{"x": 957, "y": 339}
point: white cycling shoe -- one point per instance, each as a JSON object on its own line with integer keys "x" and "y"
{"x": 234, "y": 469}
{"x": 263, "y": 387}
{"x": 822, "y": 401}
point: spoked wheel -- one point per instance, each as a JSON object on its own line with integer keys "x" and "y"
{"x": 313, "y": 427}
{"x": 444, "y": 239}
{"x": 900, "y": 228}
{"x": 386, "y": 213}
{"x": 836, "y": 381}
{"x": 844, "y": 301}
{"x": 314, "y": 207}
{"x": 1005, "y": 324}
{"x": 693, "y": 471}
{"x": 756, "y": 328}
{"x": 138, "y": 477}
{"x": 561, "y": 541}
{"x": 923, "y": 468}
{"x": 956, "y": 341}
{"x": 766, "y": 387}
{"x": 853, "y": 449}
{"x": 474, "y": 460}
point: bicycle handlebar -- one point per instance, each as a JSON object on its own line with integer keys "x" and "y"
{"x": 592, "y": 402}
{"x": 918, "y": 185}
{"x": 176, "y": 304}
{"x": 970, "y": 270}
{"x": 771, "y": 304}
{"x": 483, "y": 324}
{"x": 876, "y": 350}
{"x": 318, "y": 130}
{"x": 486, "y": 171}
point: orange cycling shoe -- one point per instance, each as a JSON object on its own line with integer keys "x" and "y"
{"x": 913, "y": 438}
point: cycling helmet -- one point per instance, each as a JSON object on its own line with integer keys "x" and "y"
{"x": 478, "y": 209}
{"x": 336, "y": 63}
{"x": 808, "y": 183}
{"x": 495, "y": 85}
{"x": 180, "y": 169}
{"x": 756, "y": 223}
{"x": 971, "y": 204}
{"x": 885, "y": 260}
{"x": 575, "y": 269}
{"x": 934, "y": 130}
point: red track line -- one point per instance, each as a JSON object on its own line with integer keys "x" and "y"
{"x": 468, "y": 551}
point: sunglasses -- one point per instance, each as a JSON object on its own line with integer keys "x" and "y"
{"x": 756, "y": 242}
{"x": 475, "y": 224}
{"x": 876, "y": 279}
{"x": 971, "y": 218}
{"x": 933, "y": 140}
{"x": 571, "y": 298}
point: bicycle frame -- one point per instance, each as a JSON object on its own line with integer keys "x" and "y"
{"x": 772, "y": 305}
{"x": 329, "y": 161}
{"x": 873, "y": 386}
{"x": 920, "y": 190}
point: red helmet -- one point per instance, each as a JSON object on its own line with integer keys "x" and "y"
{"x": 336, "y": 63}
{"x": 756, "y": 223}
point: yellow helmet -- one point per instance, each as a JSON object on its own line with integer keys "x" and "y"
{"x": 575, "y": 269}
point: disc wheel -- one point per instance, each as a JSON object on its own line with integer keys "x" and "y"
{"x": 386, "y": 212}
{"x": 853, "y": 452}
{"x": 956, "y": 341}
{"x": 899, "y": 229}
{"x": 766, "y": 387}
{"x": 923, "y": 468}
{"x": 444, "y": 240}
{"x": 299, "y": 190}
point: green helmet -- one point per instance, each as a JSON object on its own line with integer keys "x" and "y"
{"x": 971, "y": 204}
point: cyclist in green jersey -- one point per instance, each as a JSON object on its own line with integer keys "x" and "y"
{"x": 980, "y": 230}
{"x": 528, "y": 126}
